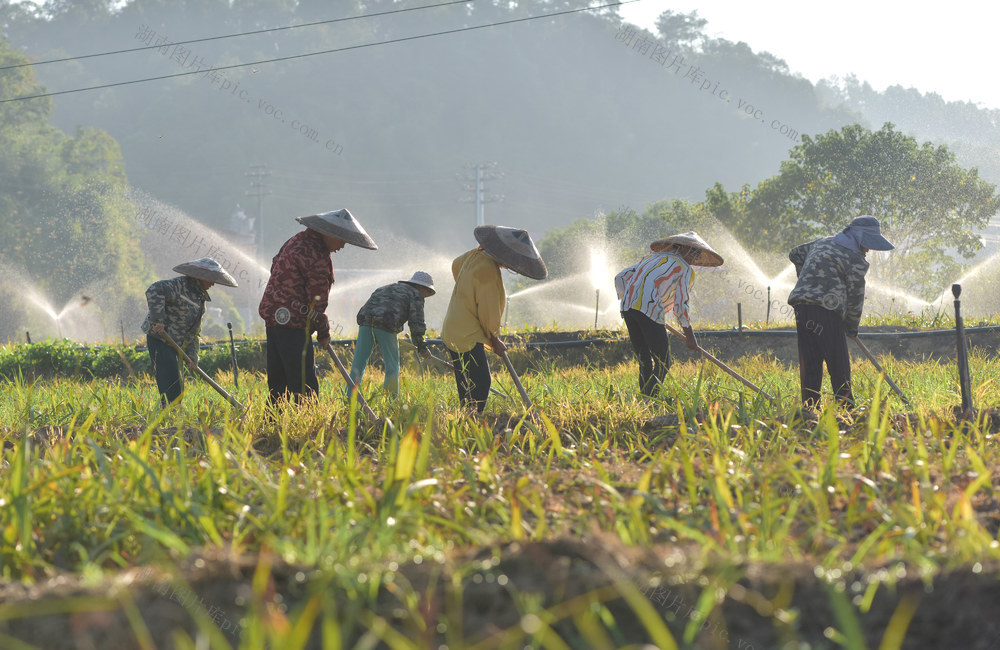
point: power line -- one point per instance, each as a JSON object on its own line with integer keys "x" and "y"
{"x": 333, "y": 51}
{"x": 219, "y": 38}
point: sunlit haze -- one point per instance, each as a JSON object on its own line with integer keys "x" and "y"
{"x": 940, "y": 50}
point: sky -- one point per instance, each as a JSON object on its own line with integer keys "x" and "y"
{"x": 946, "y": 48}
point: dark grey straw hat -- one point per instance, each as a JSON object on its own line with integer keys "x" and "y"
{"x": 513, "y": 248}
{"x": 868, "y": 233}
{"x": 340, "y": 224}
{"x": 206, "y": 269}
{"x": 706, "y": 256}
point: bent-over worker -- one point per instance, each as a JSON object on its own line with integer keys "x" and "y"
{"x": 828, "y": 298}
{"x": 651, "y": 288}
{"x": 176, "y": 307}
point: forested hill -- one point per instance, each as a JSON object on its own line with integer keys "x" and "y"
{"x": 971, "y": 132}
{"x": 579, "y": 112}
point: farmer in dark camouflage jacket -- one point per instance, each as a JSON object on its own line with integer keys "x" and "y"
{"x": 382, "y": 318}
{"x": 176, "y": 307}
{"x": 828, "y": 298}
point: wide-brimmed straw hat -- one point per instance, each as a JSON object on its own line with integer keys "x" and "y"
{"x": 206, "y": 269}
{"x": 422, "y": 279}
{"x": 868, "y": 233}
{"x": 513, "y": 248}
{"x": 340, "y": 224}
{"x": 706, "y": 256}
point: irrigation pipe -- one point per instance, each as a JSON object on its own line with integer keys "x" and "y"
{"x": 879, "y": 367}
{"x": 729, "y": 370}
{"x": 353, "y": 387}
{"x": 783, "y": 333}
{"x": 452, "y": 368}
{"x": 201, "y": 373}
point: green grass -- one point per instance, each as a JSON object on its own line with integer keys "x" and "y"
{"x": 96, "y": 480}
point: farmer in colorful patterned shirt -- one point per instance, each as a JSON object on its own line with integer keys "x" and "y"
{"x": 175, "y": 309}
{"x": 477, "y": 303}
{"x": 652, "y": 287}
{"x": 828, "y": 298}
{"x": 383, "y": 317}
{"x": 296, "y": 296}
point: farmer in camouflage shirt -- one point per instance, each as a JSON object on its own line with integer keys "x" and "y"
{"x": 828, "y": 298}
{"x": 382, "y": 318}
{"x": 176, "y": 307}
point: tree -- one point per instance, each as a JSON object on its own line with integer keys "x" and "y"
{"x": 64, "y": 226}
{"x": 623, "y": 235}
{"x": 681, "y": 29}
{"x": 929, "y": 206}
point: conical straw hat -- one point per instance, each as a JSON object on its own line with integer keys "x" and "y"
{"x": 206, "y": 269}
{"x": 340, "y": 224}
{"x": 691, "y": 239}
{"x": 513, "y": 248}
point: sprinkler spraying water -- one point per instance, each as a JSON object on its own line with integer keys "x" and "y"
{"x": 38, "y": 301}
{"x": 58, "y": 318}
{"x": 598, "y": 266}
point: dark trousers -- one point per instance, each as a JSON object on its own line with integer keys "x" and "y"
{"x": 472, "y": 376}
{"x": 821, "y": 337}
{"x": 288, "y": 371}
{"x": 166, "y": 369}
{"x": 649, "y": 341}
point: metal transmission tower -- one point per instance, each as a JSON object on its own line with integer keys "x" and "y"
{"x": 257, "y": 189}
{"x": 475, "y": 183}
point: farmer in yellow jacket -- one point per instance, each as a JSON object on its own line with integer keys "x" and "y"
{"x": 477, "y": 303}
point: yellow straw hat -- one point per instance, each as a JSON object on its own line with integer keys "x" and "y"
{"x": 706, "y": 256}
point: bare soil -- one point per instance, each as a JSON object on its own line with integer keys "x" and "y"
{"x": 758, "y": 606}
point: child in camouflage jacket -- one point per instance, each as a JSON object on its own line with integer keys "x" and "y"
{"x": 383, "y": 317}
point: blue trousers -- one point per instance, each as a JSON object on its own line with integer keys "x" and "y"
{"x": 388, "y": 345}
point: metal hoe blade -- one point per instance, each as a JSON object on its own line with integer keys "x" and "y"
{"x": 729, "y": 370}
{"x": 354, "y": 387}
{"x": 517, "y": 383}
{"x": 879, "y": 367}
{"x": 451, "y": 367}
{"x": 201, "y": 373}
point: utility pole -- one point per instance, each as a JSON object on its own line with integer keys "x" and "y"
{"x": 480, "y": 174}
{"x": 257, "y": 173}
